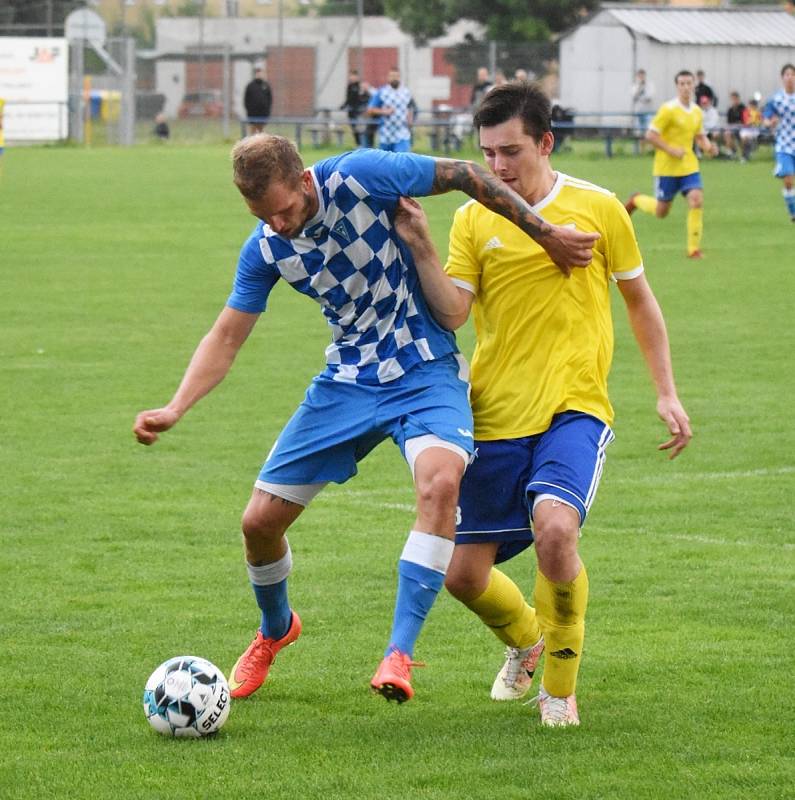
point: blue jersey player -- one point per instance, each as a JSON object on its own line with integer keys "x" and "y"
{"x": 780, "y": 112}
{"x": 391, "y": 371}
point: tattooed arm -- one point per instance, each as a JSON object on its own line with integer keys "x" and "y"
{"x": 566, "y": 247}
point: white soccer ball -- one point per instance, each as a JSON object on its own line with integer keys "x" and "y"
{"x": 187, "y": 696}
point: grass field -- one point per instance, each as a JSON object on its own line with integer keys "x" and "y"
{"x": 115, "y": 557}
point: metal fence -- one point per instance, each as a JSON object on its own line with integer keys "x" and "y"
{"x": 103, "y": 110}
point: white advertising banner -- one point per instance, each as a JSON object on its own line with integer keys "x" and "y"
{"x": 34, "y": 82}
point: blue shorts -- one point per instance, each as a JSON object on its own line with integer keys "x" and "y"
{"x": 666, "y": 187}
{"x": 499, "y": 486}
{"x": 785, "y": 165}
{"x": 338, "y": 424}
{"x": 403, "y": 146}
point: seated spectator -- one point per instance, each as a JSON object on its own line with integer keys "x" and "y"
{"x": 734, "y": 121}
{"x": 711, "y": 119}
{"x": 752, "y": 125}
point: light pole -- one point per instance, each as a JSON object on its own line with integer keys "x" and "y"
{"x": 360, "y": 21}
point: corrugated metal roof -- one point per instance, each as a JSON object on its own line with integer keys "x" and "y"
{"x": 708, "y": 26}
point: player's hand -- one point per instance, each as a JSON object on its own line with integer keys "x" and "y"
{"x": 676, "y": 152}
{"x": 568, "y": 247}
{"x": 411, "y": 223}
{"x": 674, "y": 416}
{"x": 149, "y": 423}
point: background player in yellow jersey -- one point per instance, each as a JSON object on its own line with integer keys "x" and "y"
{"x": 676, "y": 125}
{"x": 539, "y": 390}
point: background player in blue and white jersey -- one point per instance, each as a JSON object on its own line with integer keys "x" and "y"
{"x": 392, "y": 371}
{"x": 394, "y": 107}
{"x": 779, "y": 112}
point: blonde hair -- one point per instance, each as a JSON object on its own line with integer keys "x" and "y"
{"x": 263, "y": 159}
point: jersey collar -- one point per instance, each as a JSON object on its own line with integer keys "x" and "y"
{"x": 552, "y": 194}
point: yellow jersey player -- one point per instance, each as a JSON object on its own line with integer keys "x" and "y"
{"x": 539, "y": 390}
{"x": 676, "y": 125}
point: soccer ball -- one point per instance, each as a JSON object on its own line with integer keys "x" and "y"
{"x": 186, "y": 696}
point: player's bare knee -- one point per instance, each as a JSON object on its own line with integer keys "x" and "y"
{"x": 555, "y": 537}
{"x": 266, "y": 518}
{"x": 439, "y": 490}
{"x": 463, "y": 585}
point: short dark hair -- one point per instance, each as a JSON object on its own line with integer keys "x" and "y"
{"x": 521, "y": 99}
{"x": 682, "y": 73}
{"x": 786, "y": 67}
{"x": 261, "y": 160}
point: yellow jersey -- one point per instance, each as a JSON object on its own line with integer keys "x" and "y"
{"x": 544, "y": 341}
{"x": 678, "y": 125}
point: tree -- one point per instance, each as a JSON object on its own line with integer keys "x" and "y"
{"x": 504, "y": 20}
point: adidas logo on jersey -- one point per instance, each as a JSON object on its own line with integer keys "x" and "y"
{"x": 493, "y": 243}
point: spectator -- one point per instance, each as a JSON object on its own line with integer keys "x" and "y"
{"x": 734, "y": 119}
{"x": 704, "y": 90}
{"x": 752, "y": 125}
{"x": 371, "y": 125}
{"x": 711, "y": 119}
{"x": 356, "y": 101}
{"x": 520, "y": 75}
{"x": 559, "y": 114}
{"x": 643, "y": 100}
{"x": 395, "y": 106}
{"x": 258, "y": 99}
{"x": 161, "y": 130}
{"x": 481, "y": 87}
{"x": 499, "y": 78}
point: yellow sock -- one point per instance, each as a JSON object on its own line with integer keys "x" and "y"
{"x": 561, "y": 612}
{"x": 695, "y": 225}
{"x": 645, "y": 202}
{"x": 503, "y": 608}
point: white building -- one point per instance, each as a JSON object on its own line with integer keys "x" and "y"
{"x": 741, "y": 48}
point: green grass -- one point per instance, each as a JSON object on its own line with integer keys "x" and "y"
{"x": 115, "y": 557}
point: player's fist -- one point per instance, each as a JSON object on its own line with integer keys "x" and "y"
{"x": 149, "y": 423}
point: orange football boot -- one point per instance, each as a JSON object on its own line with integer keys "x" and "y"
{"x": 252, "y": 667}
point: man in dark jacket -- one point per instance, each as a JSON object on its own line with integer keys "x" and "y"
{"x": 258, "y": 99}
{"x": 356, "y": 99}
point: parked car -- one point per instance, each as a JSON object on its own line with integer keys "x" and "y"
{"x": 202, "y": 104}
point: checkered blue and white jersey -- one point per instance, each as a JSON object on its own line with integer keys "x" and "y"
{"x": 782, "y": 105}
{"x": 349, "y": 259}
{"x": 395, "y": 127}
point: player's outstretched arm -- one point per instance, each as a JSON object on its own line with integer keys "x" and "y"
{"x": 448, "y": 303}
{"x": 208, "y": 367}
{"x": 566, "y": 247}
{"x": 648, "y": 326}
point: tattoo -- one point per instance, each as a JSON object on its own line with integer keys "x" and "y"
{"x": 490, "y": 191}
{"x": 275, "y": 497}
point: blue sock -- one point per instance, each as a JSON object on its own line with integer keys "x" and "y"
{"x": 269, "y": 582}
{"x": 417, "y": 590}
{"x": 789, "y": 199}
{"x": 276, "y": 613}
